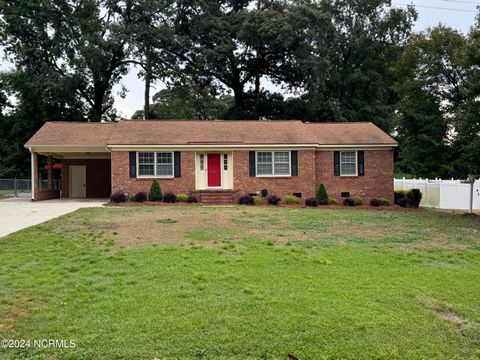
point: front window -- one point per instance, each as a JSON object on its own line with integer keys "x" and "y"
{"x": 225, "y": 162}
{"x": 155, "y": 164}
{"x": 348, "y": 163}
{"x": 146, "y": 164}
{"x": 273, "y": 163}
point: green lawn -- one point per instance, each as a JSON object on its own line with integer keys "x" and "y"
{"x": 244, "y": 283}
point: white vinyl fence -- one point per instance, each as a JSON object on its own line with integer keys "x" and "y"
{"x": 443, "y": 194}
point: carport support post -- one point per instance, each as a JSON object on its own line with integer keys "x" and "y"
{"x": 34, "y": 172}
{"x": 50, "y": 172}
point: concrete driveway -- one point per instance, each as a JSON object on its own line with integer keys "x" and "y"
{"x": 19, "y": 213}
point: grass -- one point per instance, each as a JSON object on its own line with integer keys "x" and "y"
{"x": 241, "y": 282}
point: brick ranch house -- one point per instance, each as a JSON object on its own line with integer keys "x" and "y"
{"x": 213, "y": 159}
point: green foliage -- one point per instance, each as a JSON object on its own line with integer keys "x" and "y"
{"x": 155, "y": 193}
{"x": 292, "y": 200}
{"x": 182, "y": 198}
{"x": 384, "y": 202}
{"x": 188, "y": 102}
{"x": 322, "y": 196}
{"x": 358, "y": 200}
{"x": 399, "y": 194}
{"x": 332, "y": 201}
{"x": 257, "y": 200}
{"x": 415, "y": 197}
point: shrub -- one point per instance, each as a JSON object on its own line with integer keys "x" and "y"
{"x": 399, "y": 194}
{"x": 415, "y": 196}
{"x": 332, "y": 201}
{"x": 273, "y": 200}
{"x": 384, "y": 202}
{"x": 182, "y": 198}
{"x": 312, "y": 202}
{"x": 132, "y": 198}
{"x": 404, "y": 202}
{"x": 349, "y": 202}
{"x": 170, "y": 198}
{"x": 358, "y": 200}
{"x": 141, "y": 196}
{"x": 375, "y": 202}
{"x": 246, "y": 200}
{"x": 155, "y": 192}
{"x": 257, "y": 200}
{"x": 292, "y": 200}
{"x": 119, "y": 197}
{"x": 322, "y": 196}
{"x": 192, "y": 199}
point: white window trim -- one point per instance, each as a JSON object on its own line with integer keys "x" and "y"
{"x": 356, "y": 164}
{"x": 155, "y": 166}
{"x": 273, "y": 164}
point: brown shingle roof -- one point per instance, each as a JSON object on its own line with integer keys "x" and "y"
{"x": 72, "y": 133}
{"x": 139, "y": 132}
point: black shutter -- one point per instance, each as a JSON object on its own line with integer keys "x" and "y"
{"x": 361, "y": 163}
{"x": 133, "y": 164}
{"x": 294, "y": 155}
{"x": 252, "y": 164}
{"x": 336, "y": 163}
{"x": 177, "y": 163}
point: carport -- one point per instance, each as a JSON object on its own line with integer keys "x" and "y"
{"x": 81, "y": 153}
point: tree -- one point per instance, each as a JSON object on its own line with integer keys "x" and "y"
{"x": 149, "y": 31}
{"x": 232, "y": 45}
{"x": 432, "y": 76}
{"x": 79, "y": 42}
{"x": 185, "y": 103}
{"x": 353, "y": 56}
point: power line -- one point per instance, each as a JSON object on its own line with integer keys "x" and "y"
{"x": 436, "y": 8}
{"x": 462, "y": 2}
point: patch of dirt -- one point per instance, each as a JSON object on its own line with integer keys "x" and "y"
{"x": 445, "y": 312}
{"x": 19, "y": 309}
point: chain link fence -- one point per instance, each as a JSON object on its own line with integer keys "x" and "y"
{"x": 23, "y": 187}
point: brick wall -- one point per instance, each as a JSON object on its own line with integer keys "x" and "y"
{"x": 377, "y": 182}
{"x": 98, "y": 176}
{"x": 121, "y": 176}
{"x": 314, "y": 167}
{"x": 303, "y": 183}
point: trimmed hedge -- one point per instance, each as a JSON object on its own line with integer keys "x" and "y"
{"x": 155, "y": 193}
{"x": 273, "y": 200}
{"x": 246, "y": 200}
{"x": 332, "y": 201}
{"x": 119, "y": 197}
{"x": 182, "y": 198}
{"x": 322, "y": 196}
{"x": 311, "y": 202}
{"x": 170, "y": 198}
{"x": 141, "y": 196}
{"x": 292, "y": 200}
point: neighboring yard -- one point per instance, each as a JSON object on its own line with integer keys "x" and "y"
{"x": 244, "y": 282}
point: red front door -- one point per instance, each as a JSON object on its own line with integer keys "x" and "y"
{"x": 214, "y": 175}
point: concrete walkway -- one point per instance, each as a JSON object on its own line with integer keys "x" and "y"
{"x": 19, "y": 213}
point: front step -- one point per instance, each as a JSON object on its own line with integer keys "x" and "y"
{"x": 220, "y": 197}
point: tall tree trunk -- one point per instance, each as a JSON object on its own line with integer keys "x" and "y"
{"x": 238, "y": 113}
{"x": 148, "y": 81}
